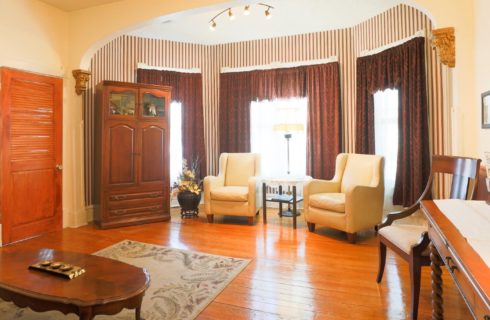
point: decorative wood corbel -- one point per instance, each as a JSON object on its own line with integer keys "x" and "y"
{"x": 81, "y": 77}
{"x": 443, "y": 40}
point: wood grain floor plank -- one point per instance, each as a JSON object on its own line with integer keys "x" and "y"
{"x": 294, "y": 274}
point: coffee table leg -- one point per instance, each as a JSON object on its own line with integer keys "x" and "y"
{"x": 294, "y": 207}
{"x": 137, "y": 310}
{"x": 137, "y": 313}
{"x": 85, "y": 313}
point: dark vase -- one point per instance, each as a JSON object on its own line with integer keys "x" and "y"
{"x": 189, "y": 203}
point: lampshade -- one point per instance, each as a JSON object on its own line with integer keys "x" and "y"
{"x": 289, "y": 127}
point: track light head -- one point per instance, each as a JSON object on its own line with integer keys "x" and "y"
{"x": 268, "y": 13}
{"x": 230, "y": 14}
{"x": 212, "y": 26}
{"x": 246, "y": 11}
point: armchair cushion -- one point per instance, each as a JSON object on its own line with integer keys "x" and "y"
{"x": 403, "y": 236}
{"x": 328, "y": 201}
{"x": 230, "y": 193}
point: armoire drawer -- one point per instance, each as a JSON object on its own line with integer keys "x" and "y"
{"x": 135, "y": 195}
{"x": 130, "y": 200}
{"x": 126, "y": 211}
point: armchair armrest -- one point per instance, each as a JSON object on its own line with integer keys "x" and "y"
{"x": 211, "y": 182}
{"x": 254, "y": 193}
{"x": 363, "y": 206}
{"x": 318, "y": 186}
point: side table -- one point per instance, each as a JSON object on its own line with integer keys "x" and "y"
{"x": 289, "y": 199}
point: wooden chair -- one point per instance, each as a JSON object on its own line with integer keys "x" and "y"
{"x": 411, "y": 241}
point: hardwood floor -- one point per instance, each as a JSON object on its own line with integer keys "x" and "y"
{"x": 294, "y": 274}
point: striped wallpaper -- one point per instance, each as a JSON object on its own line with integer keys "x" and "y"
{"x": 118, "y": 60}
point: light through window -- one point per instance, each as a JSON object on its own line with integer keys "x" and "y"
{"x": 175, "y": 141}
{"x": 270, "y": 121}
{"x": 386, "y": 136}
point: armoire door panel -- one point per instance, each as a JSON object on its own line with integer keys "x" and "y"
{"x": 31, "y": 106}
{"x": 152, "y": 153}
{"x": 122, "y": 152}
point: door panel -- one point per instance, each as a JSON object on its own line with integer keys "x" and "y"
{"x": 152, "y": 153}
{"x": 40, "y": 205}
{"x": 121, "y": 151}
{"x": 31, "y": 107}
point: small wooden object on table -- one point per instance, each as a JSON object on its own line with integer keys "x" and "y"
{"x": 289, "y": 199}
{"x": 107, "y": 286}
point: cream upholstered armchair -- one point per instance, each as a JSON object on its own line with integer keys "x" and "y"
{"x": 235, "y": 190}
{"x": 352, "y": 200}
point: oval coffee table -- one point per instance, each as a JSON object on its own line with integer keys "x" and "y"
{"x": 106, "y": 287}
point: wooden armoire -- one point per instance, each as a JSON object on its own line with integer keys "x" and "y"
{"x": 30, "y": 154}
{"x": 132, "y": 184}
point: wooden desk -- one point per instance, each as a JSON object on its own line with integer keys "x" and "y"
{"x": 469, "y": 271}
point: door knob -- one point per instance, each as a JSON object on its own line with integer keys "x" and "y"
{"x": 59, "y": 167}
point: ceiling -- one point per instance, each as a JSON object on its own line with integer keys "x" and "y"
{"x": 288, "y": 17}
{"x": 73, "y": 5}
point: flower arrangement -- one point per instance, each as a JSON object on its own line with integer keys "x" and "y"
{"x": 187, "y": 180}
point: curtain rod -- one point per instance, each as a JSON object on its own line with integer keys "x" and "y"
{"x": 364, "y": 53}
{"x": 145, "y": 66}
{"x": 278, "y": 64}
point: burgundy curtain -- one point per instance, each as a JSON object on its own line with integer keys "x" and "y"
{"x": 324, "y": 136}
{"x": 278, "y": 83}
{"x": 235, "y": 95}
{"x": 320, "y": 83}
{"x": 186, "y": 89}
{"x": 403, "y": 68}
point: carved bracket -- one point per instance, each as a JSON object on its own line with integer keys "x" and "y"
{"x": 443, "y": 40}
{"x": 81, "y": 77}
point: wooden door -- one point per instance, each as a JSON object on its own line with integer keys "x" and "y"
{"x": 31, "y": 107}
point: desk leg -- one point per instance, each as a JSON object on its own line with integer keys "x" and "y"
{"x": 264, "y": 204}
{"x": 294, "y": 207}
{"x": 435, "y": 265}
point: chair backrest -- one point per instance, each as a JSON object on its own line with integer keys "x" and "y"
{"x": 482, "y": 191}
{"x": 361, "y": 169}
{"x": 238, "y": 167}
{"x": 464, "y": 173}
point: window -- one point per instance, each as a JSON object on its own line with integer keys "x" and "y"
{"x": 175, "y": 140}
{"x": 386, "y": 136}
{"x": 267, "y": 131}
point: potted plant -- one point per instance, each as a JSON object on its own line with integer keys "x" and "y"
{"x": 188, "y": 190}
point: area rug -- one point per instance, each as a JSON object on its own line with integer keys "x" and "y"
{"x": 182, "y": 284}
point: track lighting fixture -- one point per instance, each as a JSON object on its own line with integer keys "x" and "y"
{"x": 268, "y": 14}
{"x": 246, "y": 11}
{"x": 230, "y": 14}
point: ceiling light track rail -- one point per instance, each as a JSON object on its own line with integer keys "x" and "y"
{"x": 246, "y": 11}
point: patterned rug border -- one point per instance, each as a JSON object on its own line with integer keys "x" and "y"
{"x": 219, "y": 289}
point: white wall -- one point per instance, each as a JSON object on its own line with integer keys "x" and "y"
{"x": 482, "y": 67}
{"x": 33, "y": 36}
